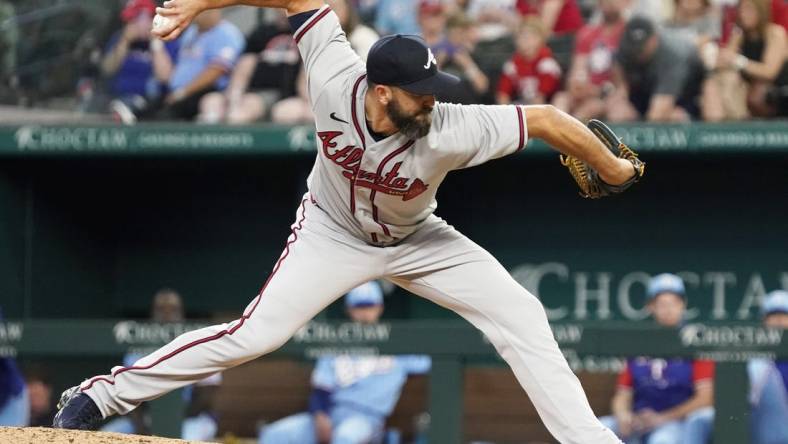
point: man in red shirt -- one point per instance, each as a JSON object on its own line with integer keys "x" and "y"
{"x": 592, "y": 64}
{"x": 532, "y": 75}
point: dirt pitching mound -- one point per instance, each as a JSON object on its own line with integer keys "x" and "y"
{"x": 39, "y": 435}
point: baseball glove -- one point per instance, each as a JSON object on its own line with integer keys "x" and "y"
{"x": 591, "y": 185}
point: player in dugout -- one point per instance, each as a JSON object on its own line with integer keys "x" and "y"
{"x": 664, "y": 401}
{"x": 351, "y": 395}
{"x": 769, "y": 380}
{"x": 383, "y": 147}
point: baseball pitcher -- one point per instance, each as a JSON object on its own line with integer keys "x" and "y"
{"x": 384, "y": 147}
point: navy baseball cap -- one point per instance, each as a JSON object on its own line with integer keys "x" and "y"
{"x": 665, "y": 283}
{"x": 406, "y": 62}
{"x": 636, "y": 33}
{"x": 775, "y": 302}
{"x": 365, "y": 295}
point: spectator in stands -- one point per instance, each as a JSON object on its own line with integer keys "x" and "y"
{"x": 296, "y": 109}
{"x": 665, "y": 401}
{"x": 432, "y": 21}
{"x": 657, "y": 76}
{"x": 208, "y": 51}
{"x": 558, "y": 16}
{"x": 13, "y": 393}
{"x": 360, "y": 36}
{"x": 200, "y": 422}
{"x": 730, "y": 12}
{"x": 42, "y": 410}
{"x": 351, "y": 395}
{"x": 264, "y": 74}
{"x": 589, "y": 79}
{"x": 769, "y": 380}
{"x": 532, "y": 75}
{"x": 697, "y": 20}
{"x": 495, "y": 23}
{"x": 453, "y": 55}
{"x": 396, "y": 17}
{"x": 751, "y": 68}
{"x": 127, "y": 62}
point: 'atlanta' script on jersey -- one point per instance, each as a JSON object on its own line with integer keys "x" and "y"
{"x": 349, "y": 158}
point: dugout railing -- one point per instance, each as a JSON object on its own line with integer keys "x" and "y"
{"x": 451, "y": 344}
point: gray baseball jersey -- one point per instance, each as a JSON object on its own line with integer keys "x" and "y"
{"x": 364, "y": 195}
{"x": 384, "y": 190}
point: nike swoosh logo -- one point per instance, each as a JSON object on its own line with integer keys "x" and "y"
{"x": 334, "y": 117}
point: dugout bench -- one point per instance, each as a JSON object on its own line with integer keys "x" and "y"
{"x": 453, "y": 345}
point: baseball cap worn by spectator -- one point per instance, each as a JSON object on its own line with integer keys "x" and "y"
{"x": 775, "y": 302}
{"x": 366, "y": 295}
{"x": 665, "y": 283}
{"x": 633, "y": 40}
{"x": 406, "y": 62}
{"x": 134, "y": 8}
{"x": 427, "y": 7}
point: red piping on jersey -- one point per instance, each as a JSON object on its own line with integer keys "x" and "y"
{"x": 372, "y": 195}
{"x": 522, "y": 128}
{"x": 312, "y": 23}
{"x": 363, "y": 143}
{"x": 229, "y": 331}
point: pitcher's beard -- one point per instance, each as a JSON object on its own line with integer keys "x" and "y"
{"x": 412, "y": 126}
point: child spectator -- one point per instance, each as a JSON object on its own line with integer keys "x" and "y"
{"x": 453, "y": 55}
{"x": 264, "y": 74}
{"x": 589, "y": 79}
{"x": 752, "y": 68}
{"x": 532, "y": 75}
{"x": 208, "y": 51}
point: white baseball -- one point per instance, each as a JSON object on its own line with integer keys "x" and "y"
{"x": 160, "y": 21}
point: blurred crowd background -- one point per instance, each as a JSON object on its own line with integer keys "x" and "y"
{"x": 620, "y": 60}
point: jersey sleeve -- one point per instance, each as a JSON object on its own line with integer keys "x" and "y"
{"x": 478, "y": 133}
{"x": 702, "y": 371}
{"x": 324, "y": 48}
{"x": 223, "y": 50}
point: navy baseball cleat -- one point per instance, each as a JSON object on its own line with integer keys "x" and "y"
{"x": 76, "y": 411}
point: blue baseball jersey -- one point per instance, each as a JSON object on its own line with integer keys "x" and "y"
{"x": 660, "y": 384}
{"x": 370, "y": 384}
{"x": 135, "y": 74}
{"x": 218, "y": 46}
